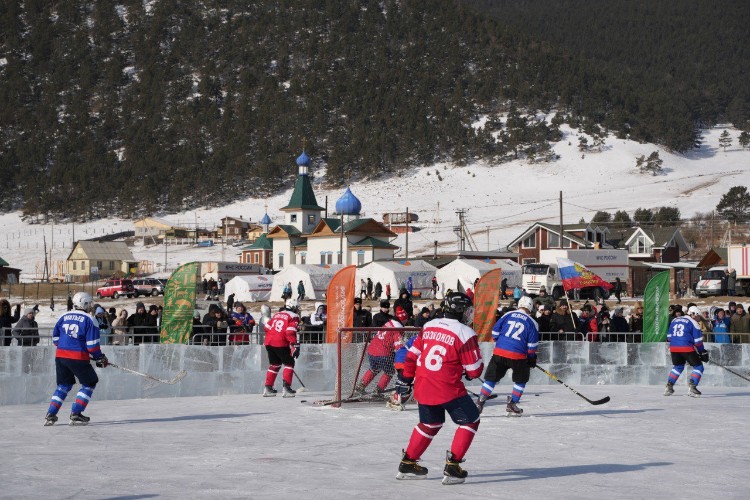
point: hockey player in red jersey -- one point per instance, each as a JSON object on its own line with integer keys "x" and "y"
{"x": 380, "y": 353}
{"x": 445, "y": 350}
{"x": 282, "y": 347}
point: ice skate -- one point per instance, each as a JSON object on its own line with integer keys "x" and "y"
{"x": 269, "y": 391}
{"x": 669, "y": 390}
{"x": 480, "y": 402}
{"x": 394, "y": 403}
{"x": 50, "y": 419}
{"x": 693, "y": 390}
{"x": 453, "y": 473}
{"x": 512, "y": 409}
{"x": 410, "y": 469}
{"x": 359, "y": 388}
{"x": 79, "y": 419}
{"x": 287, "y": 391}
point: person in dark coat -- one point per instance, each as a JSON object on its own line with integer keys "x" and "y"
{"x": 619, "y": 325}
{"x": 7, "y": 319}
{"x": 70, "y": 302}
{"x": 378, "y": 291}
{"x": 544, "y": 321}
{"x": 404, "y": 301}
{"x": 423, "y": 317}
{"x": 369, "y": 289}
{"x": 215, "y": 321}
{"x": 230, "y": 302}
{"x": 562, "y": 320}
{"x": 618, "y": 290}
{"x": 382, "y": 317}
{"x": 362, "y": 317}
{"x": 138, "y": 323}
{"x": 26, "y": 331}
{"x": 503, "y": 289}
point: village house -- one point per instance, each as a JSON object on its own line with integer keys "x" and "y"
{"x": 108, "y": 258}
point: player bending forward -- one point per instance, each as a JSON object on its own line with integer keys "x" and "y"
{"x": 441, "y": 353}
{"x": 684, "y": 337}
{"x": 282, "y": 347}
{"x": 402, "y": 394}
{"x": 516, "y": 336}
{"x": 380, "y": 354}
{"x": 76, "y": 336}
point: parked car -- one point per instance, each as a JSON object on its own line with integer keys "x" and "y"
{"x": 148, "y": 286}
{"x": 115, "y": 289}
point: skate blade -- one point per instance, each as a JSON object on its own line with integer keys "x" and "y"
{"x": 269, "y": 395}
{"x": 409, "y": 476}
{"x": 449, "y": 480}
{"x": 48, "y": 423}
{"x": 692, "y": 395}
{"x": 668, "y": 393}
{"x": 288, "y": 395}
{"x": 78, "y": 423}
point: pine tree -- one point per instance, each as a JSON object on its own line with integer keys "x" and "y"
{"x": 667, "y": 216}
{"x": 744, "y": 139}
{"x": 725, "y": 140}
{"x": 640, "y": 163}
{"x": 621, "y": 219}
{"x": 601, "y": 217}
{"x": 653, "y": 163}
{"x": 643, "y": 216}
{"x": 735, "y": 204}
{"x": 583, "y": 144}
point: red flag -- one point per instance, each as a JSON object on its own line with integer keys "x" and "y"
{"x": 340, "y": 302}
{"x": 485, "y": 303}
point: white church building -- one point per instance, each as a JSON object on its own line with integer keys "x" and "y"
{"x": 307, "y": 237}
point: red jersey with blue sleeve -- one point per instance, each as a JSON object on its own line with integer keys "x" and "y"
{"x": 400, "y": 357}
{"x": 685, "y": 335}
{"x": 440, "y": 355}
{"x": 385, "y": 342}
{"x": 76, "y": 335}
{"x": 281, "y": 329}
{"x": 516, "y": 336}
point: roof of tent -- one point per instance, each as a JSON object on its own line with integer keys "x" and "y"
{"x": 249, "y": 288}
{"x": 397, "y": 272}
{"x": 461, "y": 273}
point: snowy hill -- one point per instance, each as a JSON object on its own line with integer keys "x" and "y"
{"x": 502, "y": 200}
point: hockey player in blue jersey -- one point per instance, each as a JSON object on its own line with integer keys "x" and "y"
{"x": 686, "y": 346}
{"x": 516, "y": 336}
{"x": 76, "y": 336}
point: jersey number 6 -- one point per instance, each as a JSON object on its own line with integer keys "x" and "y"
{"x": 433, "y": 361}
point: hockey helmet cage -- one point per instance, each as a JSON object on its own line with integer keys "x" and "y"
{"x": 526, "y": 303}
{"x": 457, "y": 304}
{"x": 292, "y": 305}
{"x": 83, "y": 301}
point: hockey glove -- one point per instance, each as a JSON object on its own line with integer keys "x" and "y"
{"x": 467, "y": 377}
{"x": 704, "y": 356}
{"x": 531, "y": 362}
{"x": 295, "y": 350}
{"x": 404, "y": 387}
{"x": 102, "y": 362}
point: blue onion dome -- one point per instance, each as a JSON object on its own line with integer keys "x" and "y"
{"x": 303, "y": 160}
{"x": 265, "y": 220}
{"x": 348, "y": 204}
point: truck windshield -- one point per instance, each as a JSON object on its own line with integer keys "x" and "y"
{"x": 714, "y": 275}
{"x": 539, "y": 269}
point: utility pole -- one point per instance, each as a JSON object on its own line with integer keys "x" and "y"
{"x": 461, "y": 229}
{"x": 561, "y": 221}
{"x": 406, "y": 247}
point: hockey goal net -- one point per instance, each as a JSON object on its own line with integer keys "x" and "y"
{"x": 361, "y": 377}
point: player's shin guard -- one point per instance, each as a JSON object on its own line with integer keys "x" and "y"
{"x": 421, "y": 437}
{"x": 273, "y": 371}
{"x": 487, "y": 387}
{"x": 367, "y": 378}
{"x": 58, "y": 397}
{"x": 288, "y": 375}
{"x": 82, "y": 399}
{"x": 383, "y": 382}
{"x": 695, "y": 377}
{"x": 675, "y": 373}
{"x": 517, "y": 392}
{"x": 462, "y": 439}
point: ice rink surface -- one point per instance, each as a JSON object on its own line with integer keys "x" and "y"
{"x": 639, "y": 445}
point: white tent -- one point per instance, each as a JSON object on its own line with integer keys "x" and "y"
{"x": 461, "y": 273}
{"x": 315, "y": 277}
{"x": 396, "y": 273}
{"x": 249, "y": 288}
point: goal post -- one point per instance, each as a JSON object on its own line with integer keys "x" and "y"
{"x": 362, "y": 376}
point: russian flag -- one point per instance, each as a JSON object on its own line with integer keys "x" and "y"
{"x": 575, "y": 275}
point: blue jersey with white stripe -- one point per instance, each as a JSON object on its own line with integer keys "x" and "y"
{"x": 685, "y": 335}
{"x": 516, "y": 336}
{"x": 76, "y": 336}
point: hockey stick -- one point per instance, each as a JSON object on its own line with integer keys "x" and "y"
{"x": 597, "y": 402}
{"x": 180, "y": 375}
{"x": 303, "y": 388}
{"x": 492, "y": 396}
{"x": 730, "y": 370}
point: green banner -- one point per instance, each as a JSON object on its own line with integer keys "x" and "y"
{"x": 179, "y": 303}
{"x": 656, "y": 308}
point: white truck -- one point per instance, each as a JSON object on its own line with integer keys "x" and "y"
{"x": 607, "y": 264}
{"x": 738, "y": 258}
{"x": 710, "y": 283}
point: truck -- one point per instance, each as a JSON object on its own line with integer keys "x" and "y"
{"x": 710, "y": 282}
{"x": 738, "y": 258}
{"x": 607, "y": 264}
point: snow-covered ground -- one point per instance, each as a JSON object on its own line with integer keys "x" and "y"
{"x": 502, "y": 200}
{"x": 639, "y": 445}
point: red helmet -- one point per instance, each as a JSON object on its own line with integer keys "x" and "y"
{"x": 401, "y": 314}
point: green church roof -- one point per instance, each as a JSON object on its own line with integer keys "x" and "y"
{"x": 303, "y": 197}
{"x": 261, "y": 243}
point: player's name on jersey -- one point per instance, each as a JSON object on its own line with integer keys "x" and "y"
{"x": 439, "y": 336}
{"x": 75, "y": 317}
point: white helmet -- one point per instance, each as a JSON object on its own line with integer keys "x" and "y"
{"x": 82, "y": 301}
{"x": 526, "y": 303}
{"x": 694, "y": 310}
{"x": 292, "y": 305}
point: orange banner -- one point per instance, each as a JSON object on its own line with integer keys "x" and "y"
{"x": 486, "y": 297}
{"x": 340, "y": 302}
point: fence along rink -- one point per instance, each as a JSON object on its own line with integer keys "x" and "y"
{"x": 353, "y": 364}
